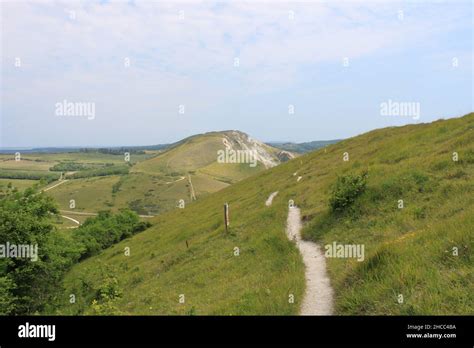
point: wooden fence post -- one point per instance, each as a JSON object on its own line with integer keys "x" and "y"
{"x": 226, "y": 216}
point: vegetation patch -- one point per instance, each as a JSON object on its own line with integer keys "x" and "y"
{"x": 346, "y": 190}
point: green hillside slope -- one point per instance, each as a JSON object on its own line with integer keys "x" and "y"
{"x": 408, "y": 251}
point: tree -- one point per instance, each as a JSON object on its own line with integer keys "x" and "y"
{"x": 27, "y": 284}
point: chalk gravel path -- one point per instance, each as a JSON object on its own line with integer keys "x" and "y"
{"x": 318, "y": 297}
{"x": 56, "y": 185}
{"x": 73, "y": 220}
{"x": 95, "y": 214}
{"x": 270, "y": 199}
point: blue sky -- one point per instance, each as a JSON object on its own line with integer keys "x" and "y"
{"x": 183, "y": 53}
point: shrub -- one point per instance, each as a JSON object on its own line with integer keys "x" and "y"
{"x": 108, "y": 170}
{"x": 106, "y": 295}
{"x": 106, "y": 229}
{"x": 68, "y": 167}
{"x": 29, "y": 175}
{"x": 109, "y": 290}
{"x": 7, "y": 298}
{"x": 421, "y": 180}
{"x": 346, "y": 190}
{"x": 116, "y": 186}
{"x": 26, "y": 218}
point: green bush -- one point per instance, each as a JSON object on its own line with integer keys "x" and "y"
{"x": 68, "y": 167}
{"x": 106, "y": 296}
{"x": 29, "y": 175}
{"x": 346, "y": 190}
{"x": 7, "y": 297}
{"x": 27, "y": 285}
{"x": 116, "y": 186}
{"x": 106, "y": 229}
{"x": 108, "y": 170}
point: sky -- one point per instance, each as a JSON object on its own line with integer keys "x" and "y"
{"x": 154, "y": 72}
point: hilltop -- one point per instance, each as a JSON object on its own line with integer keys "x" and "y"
{"x": 414, "y": 218}
{"x": 200, "y": 152}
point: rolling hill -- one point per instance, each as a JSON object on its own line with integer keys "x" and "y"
{"x": 198, "y": 152}
{"x": 415, "y": 219}
{"x": 186, "y": 170}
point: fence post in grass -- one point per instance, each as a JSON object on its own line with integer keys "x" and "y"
{"x": 226, "y": 216}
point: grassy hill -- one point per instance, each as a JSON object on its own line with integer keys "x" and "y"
{"x": 408, "y": 251}
{"x": 156, "y": 183}
{"x": 198, "y": 154}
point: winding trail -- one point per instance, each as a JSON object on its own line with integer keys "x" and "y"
{"x": 78, "y": 213}
{"x": 172, "y": 182}
{"x": 51, "y": 187}
{"x": 191, "y": 188}
{"x": 73, "y": 220}
{"x": 318, "y": 297}
{"x": 95, "y": 214}
{"x": 270, "y": 199}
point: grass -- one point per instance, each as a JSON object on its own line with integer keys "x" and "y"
{"x": 20, "y": 184}
{"x": 150, "y": 194}
{"x": 90, "y": 194}
{"x": 408, "y": 251}
{"x": 195, "y": 152}
{"x": 230, "y": 172}
{"x": 213, "y": 280}
{"x": 80, "y": 157}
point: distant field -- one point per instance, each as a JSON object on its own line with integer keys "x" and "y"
{"x": 204, "y": 184}
{"x": 81, "y": 157}
{"x": 19, "y": 184}
{"x": 146, "y": 194}
{"x": 45, "y": 161}
{"x": 90, "y": 194}
{"x": 149, "y": 195}
{"x": 25, "y": 164}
